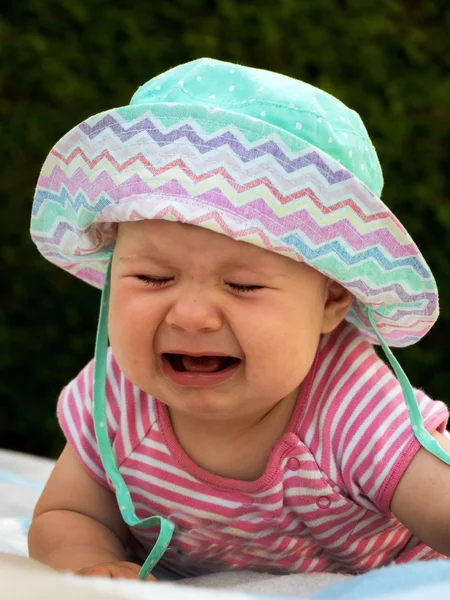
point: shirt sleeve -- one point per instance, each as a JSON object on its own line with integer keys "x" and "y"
{"x": 380, "y": 441}
{"x": 74, "y": 412}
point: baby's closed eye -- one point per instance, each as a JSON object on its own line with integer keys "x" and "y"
{"x": 160, "y": 281}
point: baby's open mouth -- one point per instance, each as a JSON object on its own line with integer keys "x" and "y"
{"x": 200, "y": 364}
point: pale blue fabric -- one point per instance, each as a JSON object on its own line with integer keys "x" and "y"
{"x": 7, "y": 476}
{"x": 424, "y": 580}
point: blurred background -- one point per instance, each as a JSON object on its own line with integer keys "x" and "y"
{"x": 64, "y": 60}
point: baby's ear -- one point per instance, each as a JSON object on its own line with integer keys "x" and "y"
{"x": 337, "y": 305}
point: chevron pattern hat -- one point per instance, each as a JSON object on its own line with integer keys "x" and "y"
{"x": 251, "y": 154}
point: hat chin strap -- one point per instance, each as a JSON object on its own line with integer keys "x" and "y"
{"x": 108, "y": 459}
{"x": 426, "y": 439}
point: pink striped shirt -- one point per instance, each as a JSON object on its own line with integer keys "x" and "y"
{"x": 322, "y": 503}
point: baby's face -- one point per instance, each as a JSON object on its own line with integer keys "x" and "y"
{"x": 180, "y": 293}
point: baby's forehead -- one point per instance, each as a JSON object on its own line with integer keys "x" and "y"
{"x": 173, "y": 237}
{"x": 173, "y": 240}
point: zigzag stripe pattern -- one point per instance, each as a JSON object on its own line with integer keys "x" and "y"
{"x": 199, "y": 168}
{"x": 322, "y": 240}
{"x": 308, "y": 210}
{"x": 130, "y": 151}
{"x": 243, "y": 192}
{"x": 298, "y": 203}
{"x": 228, "y": 139}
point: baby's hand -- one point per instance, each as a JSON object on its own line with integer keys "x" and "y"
{"x": 114, "y": 570}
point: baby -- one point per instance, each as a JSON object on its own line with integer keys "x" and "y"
{"x": 240, "y": 418}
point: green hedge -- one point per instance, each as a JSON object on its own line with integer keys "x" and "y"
{"x": 63, "y": 60}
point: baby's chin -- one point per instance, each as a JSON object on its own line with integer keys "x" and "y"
{"x": 203, "y": 404}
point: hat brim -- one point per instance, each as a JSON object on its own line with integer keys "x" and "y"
{"x": 241, "y": 177}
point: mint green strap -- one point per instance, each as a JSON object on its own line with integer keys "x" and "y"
{"x": 106, "y": 453}
{"x": 422, "y": 435}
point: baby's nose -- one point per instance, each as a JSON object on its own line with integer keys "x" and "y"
{"x": 193, "y": 314}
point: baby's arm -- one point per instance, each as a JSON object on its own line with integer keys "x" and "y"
{"x": 77, "y": 525}
{"x": 421, "y": 500}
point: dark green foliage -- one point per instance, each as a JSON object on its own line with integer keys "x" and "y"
{"x": 63, "y": 60}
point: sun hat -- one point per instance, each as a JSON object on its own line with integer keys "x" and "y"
{"x": 252, "y": 154}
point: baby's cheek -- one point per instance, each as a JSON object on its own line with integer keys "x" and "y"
{"x": 272, "y": 375}
{"x": 296, "y": 360}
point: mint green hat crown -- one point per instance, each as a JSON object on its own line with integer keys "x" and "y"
{"x": 294, "y": 106}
